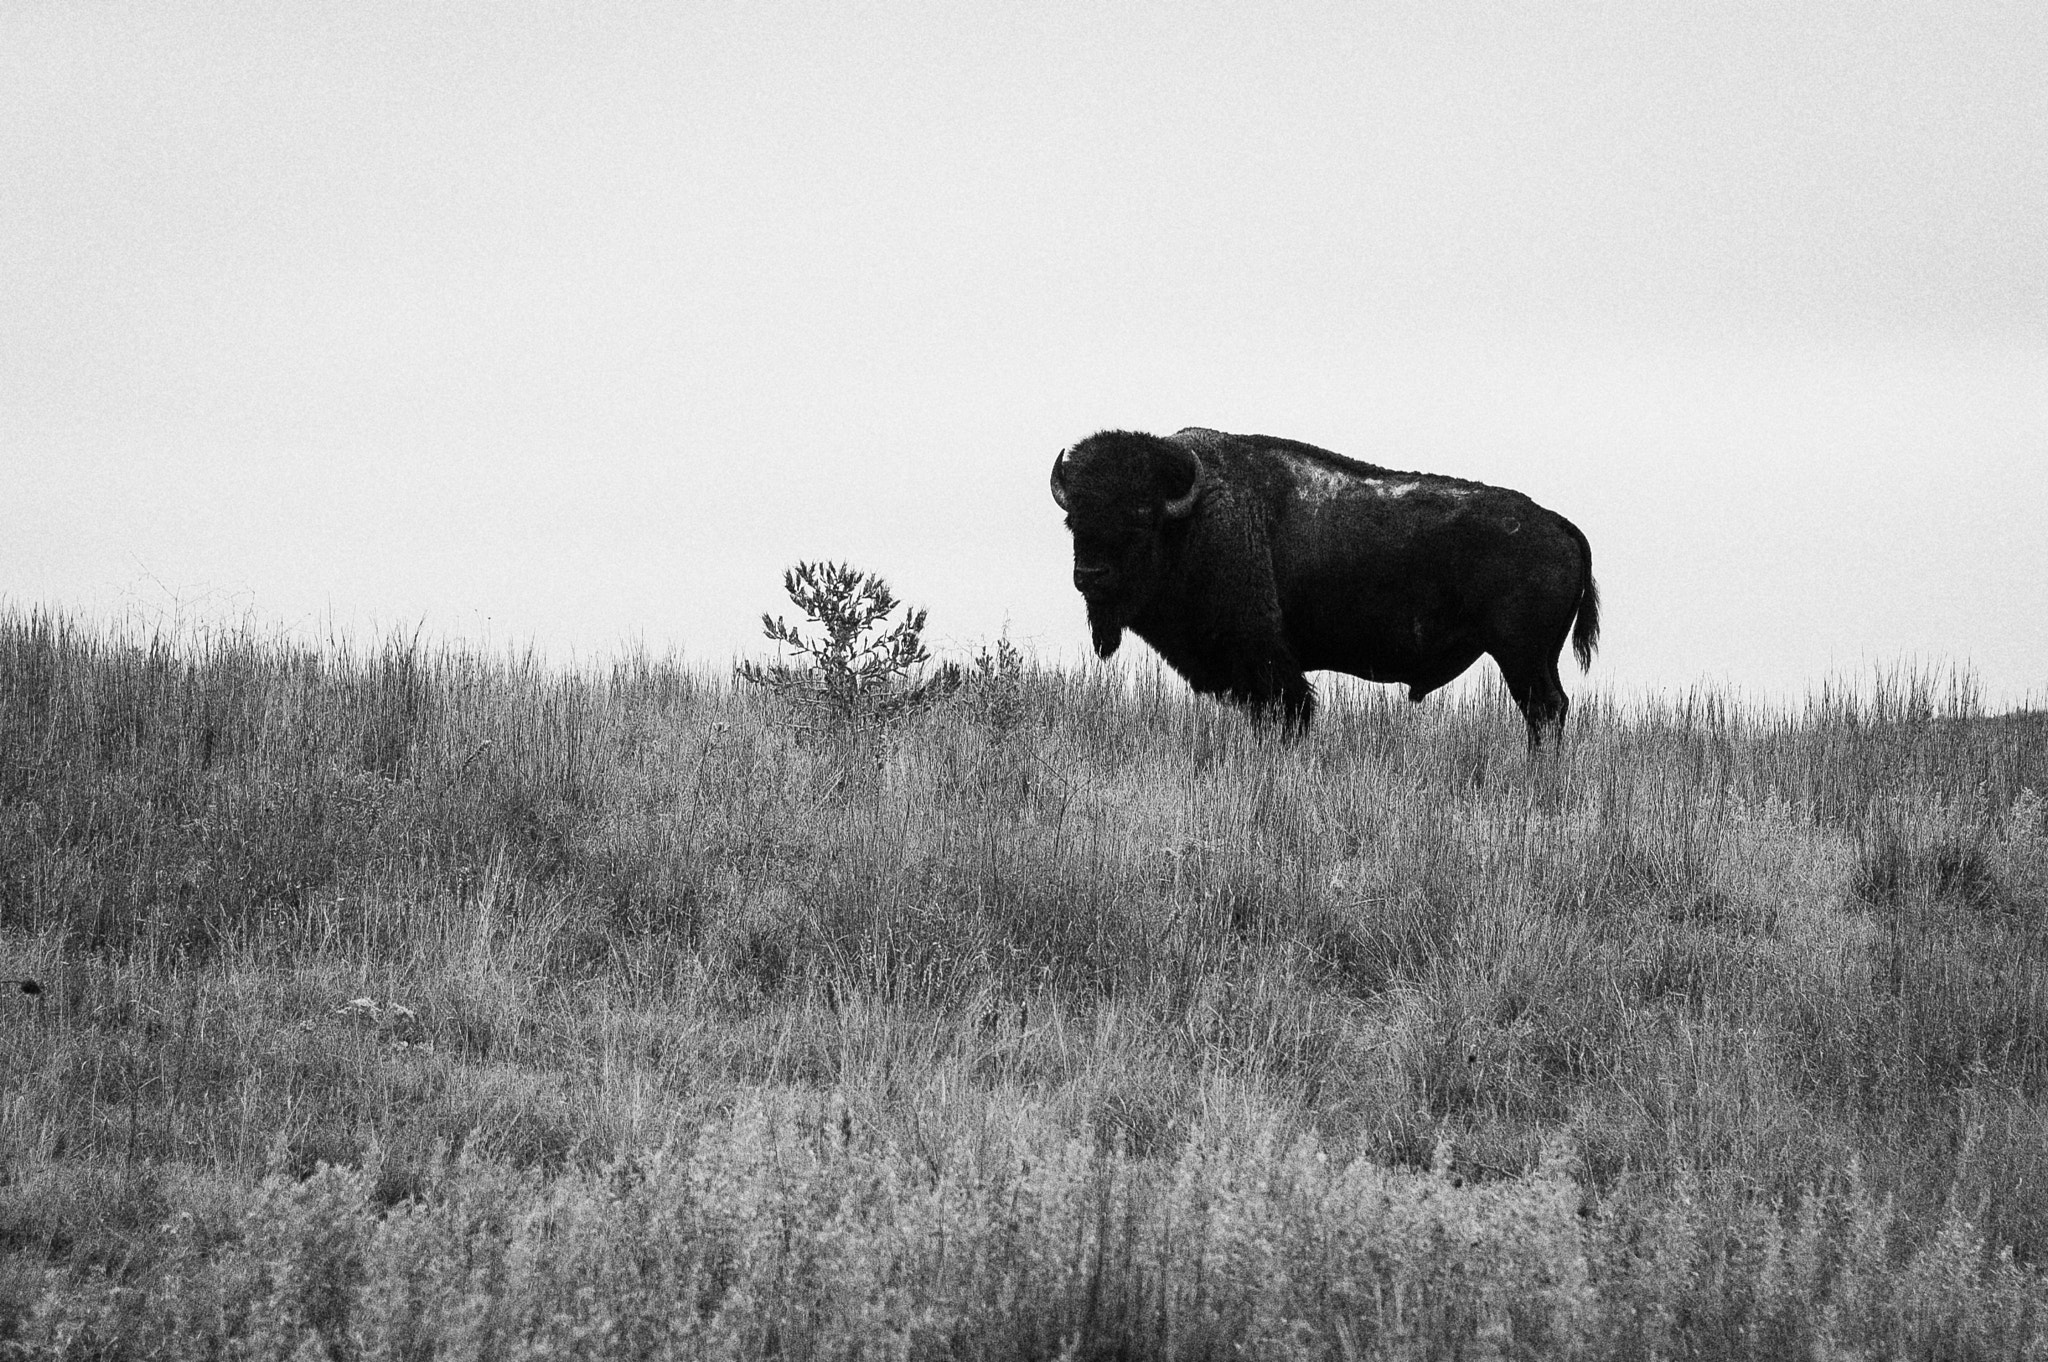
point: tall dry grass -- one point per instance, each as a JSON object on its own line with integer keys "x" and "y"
{"x": 404, "y": 1001}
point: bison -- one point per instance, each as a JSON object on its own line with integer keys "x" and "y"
{"x": 1247, "y": 561}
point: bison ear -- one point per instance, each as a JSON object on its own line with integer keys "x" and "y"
{"x": 1181, "y": 484}
{"x": 1059, "y": 480}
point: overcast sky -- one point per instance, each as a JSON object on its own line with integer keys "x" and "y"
{"x": 574, "y": 324}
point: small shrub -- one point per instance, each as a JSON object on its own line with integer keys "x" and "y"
{"x": 858, "y": 675}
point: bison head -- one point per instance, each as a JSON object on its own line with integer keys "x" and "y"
{"x": 1125, "y": 495}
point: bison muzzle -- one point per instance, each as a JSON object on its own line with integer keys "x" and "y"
{"x": 1248, "y": 561}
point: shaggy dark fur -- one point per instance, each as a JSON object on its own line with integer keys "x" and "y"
{"x": 1247, "y": 561}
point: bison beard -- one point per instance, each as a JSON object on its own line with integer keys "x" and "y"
{"x": 1107, "y": 629}
{"x": 1247, "y": 561}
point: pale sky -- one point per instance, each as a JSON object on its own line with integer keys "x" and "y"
{"x": 574, "y": 324}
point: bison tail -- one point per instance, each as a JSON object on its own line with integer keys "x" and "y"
{"x": 1586, "y": 628}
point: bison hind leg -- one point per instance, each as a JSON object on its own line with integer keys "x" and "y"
{"x": 1538, "y": 692}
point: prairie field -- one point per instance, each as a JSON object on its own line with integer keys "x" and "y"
{"x": 399, "y": 1001}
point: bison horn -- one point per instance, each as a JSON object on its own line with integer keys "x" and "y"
{"x": 1059, "y": 480}
{"x": 1177, "y": 507}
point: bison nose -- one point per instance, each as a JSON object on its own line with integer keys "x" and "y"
{"x": 1085, "y": 577}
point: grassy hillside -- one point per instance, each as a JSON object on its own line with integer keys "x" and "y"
{"x": 411, "y": 1003}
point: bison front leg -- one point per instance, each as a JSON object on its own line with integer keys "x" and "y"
{"x": 1278, "y": 686}
{"x": 1297, "y": 705}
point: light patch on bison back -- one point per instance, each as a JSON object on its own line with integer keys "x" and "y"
{"x": 1320, "y": 482}
{"x": 1317, "y": 482}
{"x": 1400, "y": 487}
